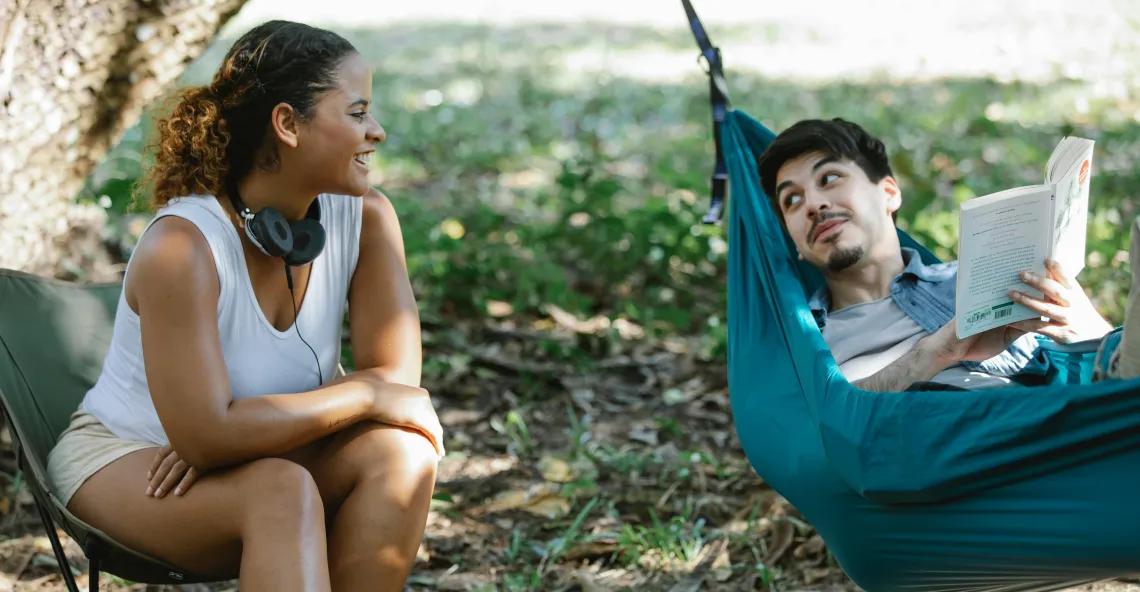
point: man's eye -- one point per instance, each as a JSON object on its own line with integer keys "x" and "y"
{"x": 360, "y": 115}
{"x": 791, "y": 200}
{"x": 829, "y": 177}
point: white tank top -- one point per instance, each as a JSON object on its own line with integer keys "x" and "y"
{"x": 260, "y": 359}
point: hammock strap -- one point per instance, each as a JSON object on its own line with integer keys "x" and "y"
{"x": 718, "y": 96}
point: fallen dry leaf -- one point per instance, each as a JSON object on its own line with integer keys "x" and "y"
{"x": 673, "y": 396}
{"x": 646, "y": 436}
{"x": 499, "y": 309}
{"x": 815, "y": 574}
{"x": 453, "y": 417}
{"x": 543, "y": 501}
{"x": 784, "y": 533}
{"x": 591, "y": 549}
{"x": 588, "y": 582}
{"x": 555, "y": 469}
{"x": 570, "y": 321}
{"x": 811, "y": 547}
{"x": 691, "y": 583}
{"x": 722, "y": 567}
{"x": 463, "y": 582}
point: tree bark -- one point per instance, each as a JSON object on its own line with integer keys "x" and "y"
{"x": 74, "y": 76}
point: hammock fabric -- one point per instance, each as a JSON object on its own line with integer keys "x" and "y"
{"x": 1022, "y": 488}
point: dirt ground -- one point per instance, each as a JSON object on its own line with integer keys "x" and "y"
{"x": 556, "y": 471}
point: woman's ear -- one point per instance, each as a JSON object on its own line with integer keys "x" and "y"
{"x": 283, "y": 122}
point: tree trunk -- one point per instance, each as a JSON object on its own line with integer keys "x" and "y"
{"x": 74, "y": 76}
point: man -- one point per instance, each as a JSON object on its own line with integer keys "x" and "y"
{"x": 886, "y": 316}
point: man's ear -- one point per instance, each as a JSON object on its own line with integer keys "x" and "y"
{"x": 283, "y": 121}
{"x": 894, "y": 194}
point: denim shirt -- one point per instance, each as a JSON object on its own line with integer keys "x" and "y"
{"x": 926, "y": 293}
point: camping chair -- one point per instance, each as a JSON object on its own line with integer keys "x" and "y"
{"x": 53, "y": 338}
{"x": 1027, "y": 488}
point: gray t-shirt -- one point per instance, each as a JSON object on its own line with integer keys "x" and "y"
{"x": 867, "y": 337}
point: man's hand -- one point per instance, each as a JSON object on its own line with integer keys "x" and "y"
{"x": 1070, "y": 315}
{"x": 948, "y": 349}
{"x": 168, "y": 472}
{"x": 937, "y": 352}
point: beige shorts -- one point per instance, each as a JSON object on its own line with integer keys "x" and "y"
{"x": 83, "y": 448}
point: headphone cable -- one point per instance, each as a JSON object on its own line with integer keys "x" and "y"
{"x": 297, "y": 325}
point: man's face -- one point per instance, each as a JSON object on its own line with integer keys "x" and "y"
{"x": 834, "y": 213}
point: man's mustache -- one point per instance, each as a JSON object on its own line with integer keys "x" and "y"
{"x": 824, "y": 217}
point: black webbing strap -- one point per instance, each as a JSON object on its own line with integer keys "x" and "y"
{"x": 718, "y": 96}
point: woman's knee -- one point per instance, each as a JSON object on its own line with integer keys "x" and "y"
{"x": 281, "y": 488}
{"x": 391, "y": 452}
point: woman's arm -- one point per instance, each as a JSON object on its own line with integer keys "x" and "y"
{"x": 174, "y": 288}
{"x": 384, "y": 323}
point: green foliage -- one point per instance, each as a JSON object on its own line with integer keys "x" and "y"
{"x": 675, "y": 544}
{"x": 521, "y": 181}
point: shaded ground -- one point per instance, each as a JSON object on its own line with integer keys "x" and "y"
{"x": 572, "y": 474}
{"x": 565, "y": 474}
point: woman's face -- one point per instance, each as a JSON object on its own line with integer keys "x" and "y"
{"x": 333, "y": 148}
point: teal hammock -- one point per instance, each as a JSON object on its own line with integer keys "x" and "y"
{"x": 1017, "y": 489}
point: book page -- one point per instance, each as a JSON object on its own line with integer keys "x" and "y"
{"x": 999, "y": 239}
{"x": 1071, "y": 203}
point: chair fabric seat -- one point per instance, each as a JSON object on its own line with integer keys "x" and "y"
{"x": 54, "y": 336}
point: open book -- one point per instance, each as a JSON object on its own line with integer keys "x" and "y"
{"x": 1002, "y": 234}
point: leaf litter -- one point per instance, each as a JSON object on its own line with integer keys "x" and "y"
{"x": 564, "y": 473}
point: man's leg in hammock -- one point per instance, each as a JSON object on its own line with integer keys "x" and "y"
{"x": 1128, "y": 360}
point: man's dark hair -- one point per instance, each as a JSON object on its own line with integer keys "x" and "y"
{"x": 837, "y": 137}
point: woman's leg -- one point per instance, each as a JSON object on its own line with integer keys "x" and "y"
{"x": 376, "y": 481}
{"x": 263, "y": 520}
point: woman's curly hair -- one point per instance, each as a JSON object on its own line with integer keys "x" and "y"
{"x": 214, "y": 134}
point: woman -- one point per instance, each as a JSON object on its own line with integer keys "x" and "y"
{"x": 217, "y": 437}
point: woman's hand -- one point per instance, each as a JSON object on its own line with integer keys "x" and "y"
{"x": 1070, "y": 315}
{"x": 409, "y": 407}
{"x": 169, "y": 472}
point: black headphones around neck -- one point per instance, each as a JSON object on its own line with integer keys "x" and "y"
{"x": 298, "y": 243}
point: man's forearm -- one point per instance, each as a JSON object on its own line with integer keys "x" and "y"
{"x": 917, "y": 365}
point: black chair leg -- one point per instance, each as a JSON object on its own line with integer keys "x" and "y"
{"x": 93, "y": 575}
{"x": 95, "y": 552}
{"x": 57, "y": 548}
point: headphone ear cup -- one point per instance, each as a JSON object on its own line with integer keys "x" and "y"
{"x": 270, "y": 230}
{"x": 308, "y": 242}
